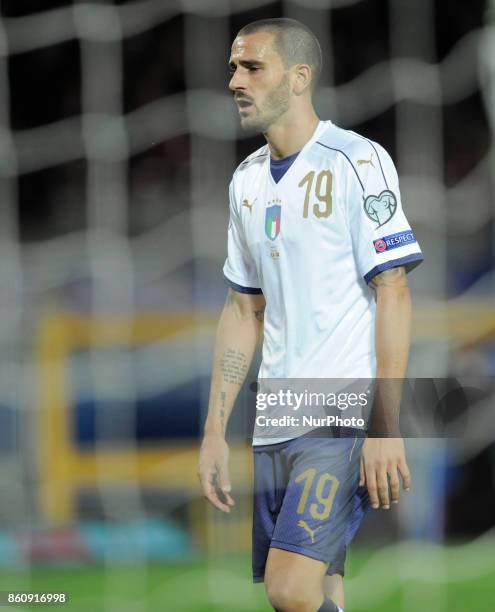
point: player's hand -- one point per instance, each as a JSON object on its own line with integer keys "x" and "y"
{"x": 213, "y": 472}
{"x": 382, "y": 459}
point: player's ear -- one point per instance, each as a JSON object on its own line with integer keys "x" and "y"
{"x": 302, "y": 78}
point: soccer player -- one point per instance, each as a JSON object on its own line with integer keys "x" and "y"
{"x": 318, "y": 250}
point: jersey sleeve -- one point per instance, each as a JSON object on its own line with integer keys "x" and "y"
{"x": 239, "y": 269}
{"x": 381, "y": 235}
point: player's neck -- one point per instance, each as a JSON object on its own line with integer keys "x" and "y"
{"x": 291, "y": 133}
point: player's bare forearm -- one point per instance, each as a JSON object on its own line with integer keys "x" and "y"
{"x": 238, "y": 331}
{"x": 393, "y": 322}
{"x": 383, "y": 457}
{"x": 392, "y": 340}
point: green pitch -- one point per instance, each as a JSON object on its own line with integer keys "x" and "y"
{"x": 224, "y": 585}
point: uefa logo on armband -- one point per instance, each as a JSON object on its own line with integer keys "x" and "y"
{"x": 394, "y": 241}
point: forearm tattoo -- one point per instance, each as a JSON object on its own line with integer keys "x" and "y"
{"x": 223, "y": 396}
{"x": 233, "y": 366}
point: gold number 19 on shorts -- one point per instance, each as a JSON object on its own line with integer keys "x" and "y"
{"x": 326, "y": 500}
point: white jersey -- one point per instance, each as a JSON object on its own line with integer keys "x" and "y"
{"x": 311, "y": 243}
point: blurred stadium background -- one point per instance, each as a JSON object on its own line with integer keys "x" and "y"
{"x": 118, "y": 139}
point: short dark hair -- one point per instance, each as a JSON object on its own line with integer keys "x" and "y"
{"x": 294, "y": 42}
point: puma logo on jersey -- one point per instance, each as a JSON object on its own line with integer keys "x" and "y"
{"x": 361, "y": 162}
{"x": 247, "y": 204}
{"x": 307, "y": 528}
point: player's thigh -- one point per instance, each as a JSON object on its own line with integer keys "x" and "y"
{"x": 270, "y": 478}
{"x": 319, "y": 499}
{"x": 319, "y": 506}
{"x": 293, "y": 577}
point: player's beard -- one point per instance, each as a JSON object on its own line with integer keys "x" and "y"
{"x": 276, "y": 103}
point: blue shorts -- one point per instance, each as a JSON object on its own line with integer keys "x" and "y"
{"x": 307, "y": 499}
